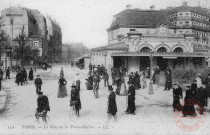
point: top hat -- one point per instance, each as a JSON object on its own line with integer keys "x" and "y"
{"x": 110, "y": 87}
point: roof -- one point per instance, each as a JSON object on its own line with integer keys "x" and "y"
{"x": 82, "y": 57}
{"x": 118, "y": 46}
{"x": 136, "y": 18}
{"x": 199, "y": 10}
{"x": 169, "y": 54}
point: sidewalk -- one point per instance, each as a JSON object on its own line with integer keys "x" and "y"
{"x": 3, "y": 98}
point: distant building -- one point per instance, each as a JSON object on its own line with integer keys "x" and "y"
{"x": 137, "y": 38}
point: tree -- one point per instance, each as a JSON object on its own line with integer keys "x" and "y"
{"x": 24, "y": 52}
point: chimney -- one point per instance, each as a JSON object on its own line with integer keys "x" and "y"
{"x": 128, "y": 6}
{"x": 184, "y": 3}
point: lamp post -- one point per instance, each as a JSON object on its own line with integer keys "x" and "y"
{"x": 11, "y": 22}
{"x": 151, "y": 81}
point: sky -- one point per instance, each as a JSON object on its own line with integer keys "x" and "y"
{"x": 86, "y": 21}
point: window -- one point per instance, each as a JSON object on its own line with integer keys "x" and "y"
{"x": 145, "y": 49}
{"x": 180, "y": 32}
{"x": 132, "y": 29}
{"x": 180, "y": 13}
{"x": 162, "y": 49}
{"x": 180, "y": 22}
{"x": 178, "y": 50}
{"x": 186, "y": 13}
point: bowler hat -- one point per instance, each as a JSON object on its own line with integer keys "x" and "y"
{"x": 110, "y": 87}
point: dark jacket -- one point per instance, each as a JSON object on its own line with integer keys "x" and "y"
{"x": 43, "y": 103}
{"x": 38, "y": 81}
{"x": 112, "y": 106}
{"x": 31, "y": 75}
{"x": 177, "y": 93}
{"x": 105, "y": 75}
{"x": 78, "y": 85}
{"x": 62, "y": 82}
{"x": 75, "y": 97}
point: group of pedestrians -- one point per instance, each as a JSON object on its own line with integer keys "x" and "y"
{"x": 197, "y": 93}
{"x": 22, "y": 75}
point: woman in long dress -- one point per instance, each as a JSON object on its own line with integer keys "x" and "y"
{"x": 62, "y": 92}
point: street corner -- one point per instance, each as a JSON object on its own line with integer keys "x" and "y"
{"x": 3, "y": 98}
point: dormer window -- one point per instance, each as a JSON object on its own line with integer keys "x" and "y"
{"x": 132, "y": 29}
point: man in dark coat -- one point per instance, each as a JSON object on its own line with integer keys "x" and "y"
{"x": 31, "y": 74}
{"x": 177, "y": 94}
{"x": 24, "y": 75}
{"x": 106, "y": 78}
{"x": 137, "y": 80}
{"x": 38, "y": 83}
{"x": 90, "y": 67}
{"x": 8, "y": 73}
{"x": 42, "y": 106}
{"x": 131, "y": 99}
{"x": 112, "y": 106}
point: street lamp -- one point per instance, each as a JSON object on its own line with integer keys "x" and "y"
{"x": 151, "y": 81}
{"x": 12, "y": 22}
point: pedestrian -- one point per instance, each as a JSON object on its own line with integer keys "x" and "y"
{"x": 75, "y": 99}
{"x": 31, "y": 74}
{"x": 112, "y": 106}
{"x": 106, "y": 78}
{"x": 90, "y": 67}
{"x": 24, "y": 72}
{"x": 78, "y": 82}
{"x": 114, "y": 76}
{"x": 62, "y": 92}
{"x": 137, "y": 80}
{"x": 188, "y": 108}
{"x": 62, "y": 72}
{"x": 119, "y": 84}
{"x": 42, "y": 106}
{"x": 144, "y": 81}
{"x": 202, "y": 94}
{"x": 131, "y": 99}
{"x": 95, "y": 86}
{"x": 8, "y": 73}
{"x": 18, "y": 77}
{"x": 1, "y": 76}
{"x": 89, "y": 83}
{"x": 38, "y": 83}
{"x": 168, "y": 82}
{"x": 177, "y": 94}
{"x": 21, "y": 77}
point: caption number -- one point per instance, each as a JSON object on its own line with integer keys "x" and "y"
{"x": 11, "y": 127}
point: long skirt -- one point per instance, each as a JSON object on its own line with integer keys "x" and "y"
{"x": 62, "y": 92}
{"x": 95, "y": 90}
{"x": 131, "y": 104}
{"x": 89, "y": 85}
{"x": 188, "y": 108}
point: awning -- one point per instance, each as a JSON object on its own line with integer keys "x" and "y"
{"x": 170, "y": 54}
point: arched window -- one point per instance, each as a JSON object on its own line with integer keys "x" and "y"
{"x": 162, "y": 49}
{"x": 145, "y": 49}
{"x": 178, "y": 50}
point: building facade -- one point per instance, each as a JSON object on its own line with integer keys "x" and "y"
{"x": 42, "y": 34}
{"x": 138, "y": 38}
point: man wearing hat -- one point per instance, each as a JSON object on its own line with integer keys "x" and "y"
{"x": 112, "y": 106}
{"x": 131, "y": 98}
{"x": 177, "y": 94}
{"x": 38, "y": 83}
{"x": 43, "y": 106}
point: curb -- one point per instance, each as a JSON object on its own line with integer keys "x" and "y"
{"x": 3, "y": 98}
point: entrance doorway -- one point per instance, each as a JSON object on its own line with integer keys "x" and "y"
{"x": 162, "y": 63}
{"x": 118, "y": 61}
{"x": 144, "y": 63}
